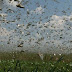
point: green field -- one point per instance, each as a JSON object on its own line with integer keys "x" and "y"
{"x": 31, "y": 62}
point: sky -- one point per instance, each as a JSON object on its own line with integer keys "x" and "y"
{"x": 41, "y": 25}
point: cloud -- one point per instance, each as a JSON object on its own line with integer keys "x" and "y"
{"x": 5, "y": 35}
{"x": 57, "y": 32}
{"x": 57, "y": 22}
{"x": 10, "y": 3}
{"x": 39, "y": 10}
{"x": 4, "y": 32}
{"x": 3, "y": 14}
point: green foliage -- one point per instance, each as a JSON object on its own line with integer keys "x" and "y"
{"x": 31, "y": 62}
{"x": 29, "y": 66}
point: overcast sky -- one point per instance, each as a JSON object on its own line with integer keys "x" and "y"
{"x": 44, "y": 25}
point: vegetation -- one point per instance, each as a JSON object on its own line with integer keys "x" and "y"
{"x": 29, "y": 66}
{"x": 31, "y": 62}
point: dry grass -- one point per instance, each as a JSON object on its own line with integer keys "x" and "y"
{"x": 28, "y": 56}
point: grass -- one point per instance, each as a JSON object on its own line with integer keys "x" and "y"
{"x": 29, "y": 66}
{"x": 31, "y": 62}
